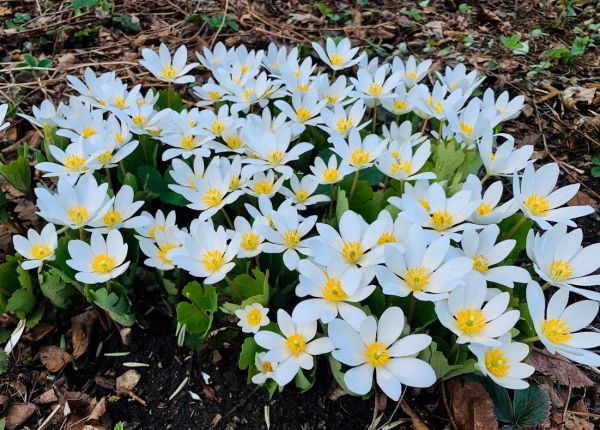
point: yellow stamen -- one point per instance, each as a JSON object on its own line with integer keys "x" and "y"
{"x": 466, "y": 128}
{"x": 403, "y": 165}
{"x": 301, "y": 195}
{"x": 212, "y": 197}
{"x": 296, "y": 344}
{"x": 480, "y": 263}
{"x": 40, "y": 250}
{"x": 78, "y": 214}
{"x": 359, "y": 157}
{"x": 103, "y": 263}
{"x": 537, "y": 205}
{"x": 333, "y": 290}
{"x": 352, "y": 251}
{"x": 169, "y": 72}
{"x": 343, "y": 125}
{"x": 112, "y": 217}
{"x": 213, "y": 260}
{"x": 484, "y": 209}
{"x": 375, "y": 89}
{"x": 263, "y": 187}
{"x": 88, "y": 131}
{"x": 336, "y": 60}
{"x": 74, "y": 162}
{"x": 470, "y": 321}
{"x": 417, "y": 278}
{"x": 217, "y": 127}
{"x": 386, "y": 237}
{"x": 377, "y": 354}
{"x": 249, "y": 241}
{"x": 187, "y": 142}
{"x": 303, "y": 114}
{"x": 291, "y": 238}
{"x": 254, "y": 317}
{"x": 496, "y": 363}
{"x": 331, "y": 174}
{"x": 556, "y": 330}
{"x": 163, "y": 250}
{"x": 441, "y": 220}
{"x": 560, "y": 270}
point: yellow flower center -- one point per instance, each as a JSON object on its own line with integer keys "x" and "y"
{"x": 233, "y": 141}
{"x": 112, "y": 217}
{"x": 249, "y": 241}
{"x": 412, "y": 74}
{"x": 263, "y": 187}
{"x": 470, "y": 321}
{"x": 438, "y": 108}
{"x": 105, "y": 157}
{"x": 466, "y": 128}
{"x": 152, "y": 232}
{"x": 496, "y": 363}
{"x": 560, "y": 270}
{"x": 163, "y": 250}
{"x": 254, "y": 317}
{"x": 428, "y": 100}
{"x": 556, "y": 330}
{"x": 234, "y": 183}
{"x": 187, "y": 142}
{"x": 480, "y": 263}
{"x": 484, "y": 209}
{"x": 331, "y": 174}
{"x": 275, "y": 157}
{"x": 78, "y": 214}
{"x": 352, "y": 251}
{"x": 400, "y": 104}
{"x": 536, "y": 204}
{"x": 336, "y": 60}
{"x": 217, "y": 127}
{"x": 333, "y": 290}
{"x": 343, "y": 125}
{"x": 403, "y": 165}
{"x": 244, "y": 68}
{"x": 301, "y": 195}
{"x": 212, "y": 197}
{"x": 492, "y": 156}
{"x": 375, "y": 89}
{"x": 296, "y": 344}
{"x": 74, "y": 162}
{"x": 417, "y": 278}
{"x": 88, "y": 131}
{"x": 441, "y": 220}
{"x": 267, "y": 367}
{"x": 377, "y": 354}
{"x": 169, "y": 72}
{"x": 213, "y": 95}
{"x": 303, "y": 114}
{"x": 213, "y": 260}
{"x": 139, "y": 119}
{"x": 103, "y": 263}
{"x": 119, "y": 102}
{"x": 40, "y": 250}
{"x": 291, "y": 238}
{"x": 386, "y": 237}
{"x": 359, "y": 157}
{"x": 101, "y": 102}
{"x": 247, "y": 94}
{"x": 331, "y": 99}
{"x": 425, "y": 204}
{"x": 452, "y": 85}
{"x": 118, "y": 138}
{"x": 302, "y": 87}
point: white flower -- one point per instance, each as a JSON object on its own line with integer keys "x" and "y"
{"x": 305, "y": 107}
{"x": 209, "y": 93}
{"x": 399, "y": 103}
{"x": 401, "y": 134}
{"x": 334, "y": 290}
{"x": 411, "y": 72}
{"x": 340, "y": 56}
{"x": 287, "y": 234}
{"x": 466, "y": 316}
{"x": 184, "y": 175}
{"x": 561, "y": 261}
{"x": 158, "y": 250}
{"x": 341, "y": 121}
{"x": 298, "y": 77}
{"x": 264, "y": 212}
{"x": 334, "y": 93}
{"x": 534, "y": 195}
{"x": 358, "y": 152}
{"x": 101, "y": 260}
{"x": 503, "y": 363}
{"x": 107, "y": 150}
{"x": 220, "y": 56}
{"x": 217, "y": 124}
{"x": 504, "y": 161}
{"x": 470, "y": 124}
{"x": 301, "y": 191}
{"x": 266, "y": 368}
{"x": 252, "y": 317}
{"x": 252, "y": 240}
{"x": 558, "y": 326}
{"x": 425, "y": 270}
{"x": 437, "y": 103}
{"x": 262, "y": 184}
{"x": 503, "y": 108}
{"x": 404, "y": 165}
{"x": 168, "y": 69}
{"x": 295, "y": 349}
{"x": 488, "y": 211}
{"x": 329, "y": 173}
{"x": 3, "y": 110}
{"x": 206, "y": 252}
{"x": 75, "y": 206}
{"x": 376, "y": 86}
{"x": 36, "y": 247}
{"x": 72, "y": 162}
{"x": 377, "y": 347}
{"x": 483, "y": 250}
{"x": 156, "y": 223}
{"x": 459, "y": 79}
{"x": 120, "y": 213}
{"x": 43, "y": 116}
{"x": 394, "y": 231}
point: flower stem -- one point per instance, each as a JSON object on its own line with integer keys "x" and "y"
{"x": 110, "y": 181}
{"x": 227, "y": 218}
{"x": 516, "y": 227}
{"x": 354, "y": 182}
{"x": 374, "y": 116}
{"x": 411, "y": 309}
{"x": 545, "y": 286}
{"x": 423, "y": 126}
{"x": 530, "y": 339}
{"x": 81, "y": 233}
{"x": 169, "y": 95}
{"x": 485, "y": 178}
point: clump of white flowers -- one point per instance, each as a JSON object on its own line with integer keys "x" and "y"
{"x": 361, "y": 187}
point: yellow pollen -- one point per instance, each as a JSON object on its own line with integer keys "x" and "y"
{"x": 88, "y": 131}
{"x": 359, "y": 157}
{"x": 154, "y": 131}
{"x": 254, "y": 317}
{"x": 74, "y": 162}
{"x": 212, "y": 197}
{"x": 438, "y": 108}
{"x": 169, "y": 72}
{"x": 247, "y": 94}
{"x": 501, "y": 110}
{"x": 560, "y": 270}
{"x": 152, "y": 232}
{"x": 412, "y": 74}
{"x": 343, "y": 125}
{"x": 140, "y": 102}
{"x": 103, "y": 263}
{"x": 492, "y": 156}
{"x": 336, "y": 60}
{"x": 375, "y": 89}
{"x": 296, "y": 73}
{"x": 233, "y": 142}
{"x": 301, "y": 195}
{"x": 352, "y": 251}
{"x": 470, "y": 321}
{"x": 386, "y": 237}
{"x": 417, "y": 278}
{"x": 234, "y": 183}
{"x": 441, "y": 220}
{"x": 484, "y": 209}
{"x": 275, "y": 157}
{"x": 377, "y": 354}
{"x": 556, "y": 330}
{"x": 403, "y": 165}
{"x": 425, "y": 204}
{"x": 112, "y": 218}
{"x": 263, "y": 187}
{"x": 213, "y": 260}
{"x": 400, "y": 104}
{"x": 105, "y": 157}
{"x": 331, "y": 174}
{"x": 139, "y": 119}
{"x": 537, "y": 205}
{"x": 428, "y": 100}
{"x": 163, "y": 250}
{"x": 466, "y": 128}
{"x": 187, "y": 142}
{"x": 118, "y": 138}
{"x": 296, "y": 344}
{"x": 213, "y": 95}
{"x": 303, "y": 114}
{"x": 395, "y": 153}
{"x": 101, "y": 102}
{"x": 496, "y": 363}
{"x": 119, "y": 102}
{"x": 480, "y": 263}
{"x": 244, "y": 68}
{"x": 40, "y": 250}
{"x": 249, "y": 241}
{"x": 78, "y": 214}
{"x": 217, "y": 127}
{"x": 452, "y": 85}
{"x": 302, "y": 87}
{"x": 291, "y": 238}
{"x": 333, "y": 290}
{"x": 331, "y": 99}
{"x": 267, "y": 367}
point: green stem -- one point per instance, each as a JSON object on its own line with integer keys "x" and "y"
{"x": 440, "y": 130}
{"x": 123, "y": 171}
{"x": 423, "y": 126}
{"x": 81, "y": 233}
{"x": 485, "y": 178}
{"x": 516, "y": 227}
{"x": 545, "y": 286}
{"x": 257, "y": 262}
{"x": 530, "y": 339}
{"x": 411, "y": 309}
{"x": 453, "y": 351}
{"x": 332, "y": 199}
{"x": 354, "y": 183}
{"x": 375, "y": 116}
{"x": 227, "y": 218}
{"x": 169, "y": 95}
{"x": 110, "y": 181}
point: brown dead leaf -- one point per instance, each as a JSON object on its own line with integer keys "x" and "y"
{"x": 571, "y": 95}
{"x": 416, "y": 420}
{"x": 99, "y": 410}
{"x": 48, "y": 396}
{"x": 18, "y": 413}
{"x": 54, "y": 357}
{"x": 82, "y": 326}
{"x": 561, "y": 370}
{"x": 471, "y": 405}
{"x": 65, "y": 61}
{"x": 127, "y": 382}
{"x": 39, "y": 332}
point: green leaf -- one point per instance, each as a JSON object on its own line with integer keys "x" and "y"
{"x": 531, "y": 406}
{"x": 596, "y": 171}
{"x": 338, "y": 375}
{"x": 115, "y": 303}
{"x": 341, "y": 204}
{"x": 21, "y": 302}
{"x": 2, "y": 423}
{"x": 502, "y": 405}
{"x": 173, "y": 198}
{"x": 438, "y": 361}
{"x": 56, "y": 290}
{"x": 197, "y": 314}
{"x": 3, "y": 364}
{"x": 306, "y": 382}
{"x": 249, "y": 350}
{"x": 169, "y": 98}
{"x": 515, "y": 227}
{"x": 245, "y": 287}
{"x": 17, "y": 173}
{"x": 150, "y": 179}
{"x": 447, "y": 158}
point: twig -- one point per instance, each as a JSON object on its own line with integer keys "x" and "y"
{"x": 214, "y": 38}
{"x": 49, "y": 417}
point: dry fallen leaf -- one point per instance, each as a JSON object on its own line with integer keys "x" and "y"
{"x": 99, "y": 410}
{"x": 82, "y": 326}
{"x": 416, "y": 420}
{"x": 54, "y": 357}
{"x": 48, "y": 396}
{"x": 18, "y": 413}
{"x": 561, "y": 370}
{"x": 127, "y": 382}
{"x": 472, "y": 407}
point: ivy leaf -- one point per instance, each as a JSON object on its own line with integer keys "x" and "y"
{"x": 245, "y": 287}
{"x": 531, "y": 406}
{"x": 438, "y": 361}
{"x": 17, "y": 173}
{"x": 56, "y": 290}
{"x": 173, "y": 198}
{"x": 515, "y": 227}
{"x": 249, "y": 349}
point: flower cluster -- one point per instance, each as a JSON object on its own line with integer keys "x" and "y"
{"x": 358, "y": 189}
